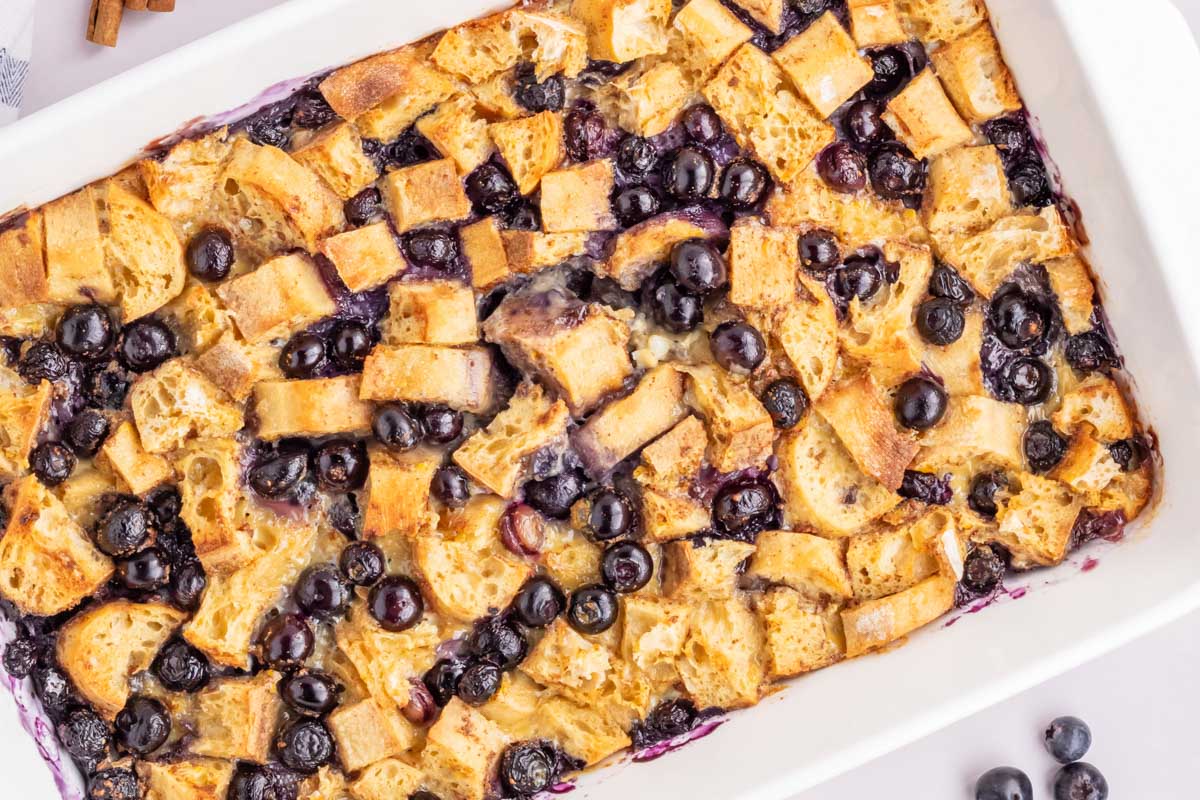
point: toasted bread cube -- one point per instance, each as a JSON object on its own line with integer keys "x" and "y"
{"x": 385, "y": 780}
{"x": 75, "y": 267}
{"x": 34, "y": 321}
{"x": 652, "y": 635}
{"x": 458, "y": 131}
{"x": 622, "y": 30}
{"x": 866, "y": 424}
{"x": 876, "y": 623}
{"x": 709, "y": 33}
{"x": 752, "y": 96}
{"x": 23, "y": 263}
{"x": 83, "y": 493}
{"x": 47, "y": 562}
{"x": 402, "y": 76}
{"x": 1129, "y": 492}
{"x": 721, "y": 664}
{"x": 198, "y": 316}
{"x": 236, "y": 366}
{"x": 1087, "y": 466}
{"x": 876, "y": 22}
{"x": 496, "y": 456}
{"x": 812, "y": 565}
{"x": 576, "y": 198}
{"x": 578, "y": 350}
{"x": 336, "y": 155}
{"x": 235, "y": 718}
{"x": 702, "y": 569}
{"x": 484, "y": 249}
{"x": 480, "y": 48}
{"x": 279, "y": 298}
{"x": 430, "y": 312}
{"x": 1036, "y": 521}
{"x": 386, "y": 661}
{"x": 887, "y": 561}
{"x": 570, "y": 558}
{"x": 417, "y": 86}
{"x": 144, "y": 252}
{"x": 560, "y": 42}
{"x": 652, "y": 97}
{"x": 461, "y": 753}
{"x": 465, "y": 584}
{"x": 124, "y": 454}
{"x": 531, "y": 251}
{"x": 762, "y": 265}
{"x": 924, "y": 118}
{"x": 102, "y": 648}
{"x": 639, "y": 250}
{"x": 397, "y": 494}
{"x": 942, "y": 20}
{"x": 622, "y": 426}
{"x": 989, "y": 257}
{"x": 315, "y": 407}
{"x": 674, "y": 459}
{"x": 824, "y": 64}
{"x": 740, "y": 430}
{"x": 976, "y": 77}
{"x": 212, "y": 493}
{"x": 808, "y": 202}
{"x": 806, "y": 331}
{"x": 188, "y": 779}
{"x": 515, "y": 703}
{"x": 670, "y": 515}
{"x": 460, "y": 378}
{"x": 1072, "y": 285}
{"x": 967, "y": 190}
{"x": 175, "y": 403}
{"x": 495, "y": 97}
{"x": 584, "y": 732}
{"x": 768, "y": 13}
{"x": 530, "y": 146}
{"x": 799, "y": 636}
{"x": 958, "y": 364}
{"x": 181, "y": 184}
{"x": 367, "y": 732}
{"x": 365, "y": 257}
{"x": 268, "y": 172}
{"x": 424, "y": 193}
{"x": 24, "y": 412}
{"x": 821, "y": 485}
{"x": 569, "y": 663}
{"x": 328, "y": 784}
{"x": 974, "y": 427}
{"x": 1099, "y": 402}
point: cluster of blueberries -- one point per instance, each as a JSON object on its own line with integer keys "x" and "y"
{"x": 1067, "y": 739}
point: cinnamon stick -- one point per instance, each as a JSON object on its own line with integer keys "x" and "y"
{"x": 161, "y": 5}
{"x": 135, "y": 5}
{"x": 104, "y": 21}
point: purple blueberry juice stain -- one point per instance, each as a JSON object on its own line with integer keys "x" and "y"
{"x": 656, "y": 751}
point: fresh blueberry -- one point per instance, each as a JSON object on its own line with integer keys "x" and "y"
{"x": 843, "y": 168}
{"x": 143, "y": 725}
{"x": 1029, "y": 183}
{"x": 926, "y": 487}
{"x": 940, "y": 321}
{"x": 350, "y": 342}
{"x": 84, "y": 733}
{"x": 442, "y": 679}
{"x": 859, "y": 277}
{"x": 1067, "y": 739}
{"x": 920, "y": 403}
{"x": 43, "y": 361}
{"x": 442, "y": 424}
{"x": 983, "y": 570}
{"x": 553, "y": 497}
{"x": 1043, "y": 446}
{"x": 52, "y": 463}
{"x": 1080, "y": 781}
{"x": 396, "y": 603}
{"x": 479, "y": 683}
{"x": 210, "y": 254}
{"x": 982, "y": 495}
{"x": 362, "y": 563}
{"x": 144, "y": 571}
{"x": 626, "y": 566}
{"x": 285, "y": 642}
{"x": 123, "y": 529}
{"x": 305, "y": 745}
{"x": 497, "y": 641}
{"x": 689, "y": 174}
{"x": 180, "y": 667}
{"x": 527, "y": 768}
{"x": 675, "y": 309}
{"x": 20, "y": 657}
{"x": 635, "y": 204}
{"x": 86, "y": 431}
{"x": 636, "y": 156}
{"x": 451, "y": 486}
{"x": 592, "y": 609}
{"x": 1020, "y": 320}
{"x": 738, "y": 346}
{"x": 702, "y": 124}
{"x": 491, "y": 189}
{"x": 430, "y": 248}
{"x": 1091, "y": 352}
{"x": 819, "y": 251}
{"x": 611, "y": 515}
{"x": 1028, "y": 381}
{"x": 274, "y": 477}
{"x": 535, "y": 96}
{"x": 84, "y": 331}
{"x": 743, "y": 183}
{"x": 539, "y": 602}
{"x": 311, "y": 693}
{"x": 322, "y": 592}
{"x": 864, "y": 125}
{"x": 1003, "y": 783}
{"x": 786, "y": 401}
{"x": 188, "y": 583}
{"x": 145, "y": 344}
{"x": 892, "y": 69}
{"x": 363, "y": 207}
{"x": 583, "y": 132}
{"x": 895, "y": 173}
{"x": 395, "y": 428}
{"x": 341, "y": 465}
{"x": 744, "y": 509}
{"x": 698, "y": 266}
{"x": 947, "y": 283}
{"x": 114, "y": 783}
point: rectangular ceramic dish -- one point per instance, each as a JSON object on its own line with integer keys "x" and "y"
{"x": 1103, "y": 84}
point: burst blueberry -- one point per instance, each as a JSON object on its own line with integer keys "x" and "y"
{"x": 52, "y": 463}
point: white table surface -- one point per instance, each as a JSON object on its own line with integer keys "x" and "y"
{"x": 1142, "y": 701}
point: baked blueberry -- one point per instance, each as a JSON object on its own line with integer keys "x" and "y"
{"x": 84, "y": 733}
{"x": 1043, "y": 446}
{"x": 786, "y": 401}
{"x": 84, "y": 331}
{"x": 947, "y": 283}
{"x": 1067, "y": 739}
{"x": 20, "y": 657}
{"x": 344, "y": 516}
{"x": 107, "y": 387}
{"x": 114, "y": 783}
{"x": 592, "y": 609}
{"x": 285, "y": 642}
{"x": 395, "y": 428}
{"x": 843, "y": 168}
{"x": 626, "y": 566}
{"x": 341, "y": 465}
{"x": 665, "y": 721}
{"x": 363, "y": 207}
{"x": 479, "y": 683}
{"x": 180, "y": 667}
{"x": 676, "y": 309}
{"x": 362, "y": 563}
{"x": 303, "y": 356}
{"x": 1011, "y": 136}
{"x": 611, "y": 515}
{"x": 738, "y": 347}
{"x": 442, "y": 424}
{"x": 636, "y": 156}
{"x": 983, "y": 570}
{"x": 863, "y": 124}
{"x": 539, "y": 602}
{"x": 702, "y": 124}
{"x": 123, "y": 529}
{"x": 689, "y": 174}
{"x": 982, "y": 495}
{"x": 892, "y": 68}
{"x": 857, "y": 277}
{"x": 430, "y": 248}
{"x": 1091, "y": 352}
{"x": 895, "y": 173}
{"x": 322, "y": 592}
{"x": 349, "y": 345}
{"x": 819, "y": 251}
{"x": 312, "y": 693}
{"x": 187, "y": 586}
{"x": 210, "y": 254}
{"x": 635, "y": 204}
{"x": 553, "y": 496}
{"x": 52, "y": 463}
{"x": 277, "y": 475}
{"x": 53, "y": 689}
{"x": 535, "y": 96}
{"x": 312, "y": 110}
{"x": 743, "y": 183}
{"x": 920, "y": 403}
{"x": 523, "y": 216}
{"x": 926, "y": 487}
{"x": 42, "y": 361}
{"x": 744, "y": 509}
{"x": 143, "y": 725}
{"x": 698, "y": 266}
{"x": 583, "y": 132}
{"x": 409, "y": 148}
{"x": 1028, "y": 381}
{"x": 1003, "y": 783}
{"x": 396, "y": 603}
{"x": 1020, "y": 320}
{"x": 1080, "y": 781}
{"x": 86, "y": 431}
{"x": 810, "y": 7}
{"x": 497, "y": 641}
{"x": 1129, "y": 453}
{"x": 527, "y": 768}
{"x": 442, "y": 679}
{"x": 268, "y": 782}
{"x": 1029, "y": 183}
{"x": 146, "y": 343}
{"x": 940, "y": 321}
{"x": 144, "y": 571}
{"x": 491, "y": 189}
{"x": 305, "y": 745}
{"x": 522, "y": 531}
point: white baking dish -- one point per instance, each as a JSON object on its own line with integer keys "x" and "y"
{"x": 1104, "y": 84}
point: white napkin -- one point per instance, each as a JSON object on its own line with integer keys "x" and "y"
{"x": 16, "y": 48}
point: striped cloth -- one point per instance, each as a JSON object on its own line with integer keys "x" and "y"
{"x": 16, "y": 48}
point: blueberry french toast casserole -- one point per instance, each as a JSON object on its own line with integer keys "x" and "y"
{"x": 540, "y": 390}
